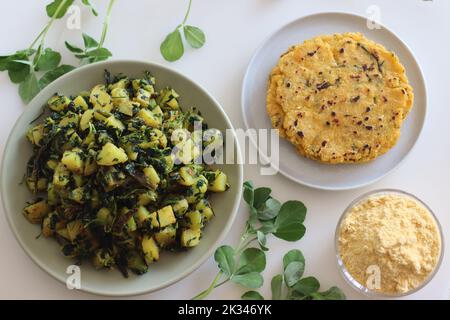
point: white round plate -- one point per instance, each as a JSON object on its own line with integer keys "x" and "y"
{"x": 309, "y": 172}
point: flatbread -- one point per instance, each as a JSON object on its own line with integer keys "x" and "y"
{"x": 339, "y": 98}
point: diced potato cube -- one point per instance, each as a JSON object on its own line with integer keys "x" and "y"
{"x": 111, "y": 155}
{"x": 126, "y": 108}
{"x": 219, "y": 184}
{"x": 149, "y": 118}
{"x": 37, "y": 211}
{"x": 205, "y": 209}
{"x": 180, "y": 207}
{"x": 143, "y": 97}
{"x": 152, "y": 176}
{"x": 34, "y": 186}
{"x": 58, "y": 103}
{"x": 115, "y": 123}
{"x": 36, "y": 134}
{"x": 190, "y": 237}
{"x": 61, "y": 176}
{"x": 80, "y": 102}
{"x": 100, "y": 98}
{"x": 166, "y": 216}
{"x": 52, "y": 195}
{"x": 143, "y": 215}
{"x": 71, "y": 118}
{"x": 74, "y": 228}
{"x": 166, "y": 236}
{"x": 86, "y": 118}
{"x": 119, "y": 96}
{"x": 77, "y": 195}
{"x": 131, "y": 152}
{"x": 200, "y": 185}
{"x": 122, "y": 83}
{"x": 72, "y": 160}
{"x": 49, "y": 224}
{"x": 147, "y": 198}
{"x": 104, "y": 217}
{"x": 52, "y": 164}
{"x": 173, "y": 103}
{"x": 150, "y": 249}
{"x": 195, "y": 219}
{"x": 188, "y": 176}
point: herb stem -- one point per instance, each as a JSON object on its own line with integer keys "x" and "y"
{"x": 213, "y": 285}
{"x": 106, "y": 24}
{"x": 43, "y": 34}
{"x": 187, "y": 13}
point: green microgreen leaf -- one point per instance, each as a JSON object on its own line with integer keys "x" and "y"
{"x": 194, "y": 36}
{"x": 53, "y": 7}
{"x": 54, "y": 74}
{"x": 29, "y": 88}
{"x": 251, "y": 260}
{"x": 293, "y": 272}
{"x": 72, "y": 48}
{"x": 252, "y": 280}
{"x": 99, "y": 54}
{"x": 289, "y": 222}
{"x": 89, "y": 42}
{"x": 248, "y": 193}
{"x": 334, "y": 293}
{"x": 252, "y": 295}
{"x": 292, "y": 256}
{"x": 260, "y": 196}
{"x": 276, "y": 286}
{"x": 48, "y": 60}
{"x": 18, "y": 71}
{"x": 172, "y": 47}
{"x": 88, "y": 4}
{"x": 225, "y": 258}
{"x": 267, "y": 226}
{"x": 307, "y": 286}
{"x": 269, "y": 209}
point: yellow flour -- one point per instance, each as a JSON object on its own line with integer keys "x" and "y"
{"x": 395, "y": 233}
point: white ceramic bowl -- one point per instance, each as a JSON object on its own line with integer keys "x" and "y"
{"x": 46, "y": 252}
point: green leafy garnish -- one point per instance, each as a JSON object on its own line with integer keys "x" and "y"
{"x": 194, "y": 36}
{"x": 292, "y": 286}
{"x": 172, "y": 48}
{"x": 58, "y": 8}
{"x": 37, "y": 66}
{"x": 243, "y": 265}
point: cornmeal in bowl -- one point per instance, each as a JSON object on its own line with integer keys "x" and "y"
{"x": 339, "y": 98}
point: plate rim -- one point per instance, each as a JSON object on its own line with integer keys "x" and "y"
{"x": 244, "y": 89}
{"x": 204, "y": 257}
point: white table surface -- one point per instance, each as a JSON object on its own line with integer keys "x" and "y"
{"x": 235, "y": 28}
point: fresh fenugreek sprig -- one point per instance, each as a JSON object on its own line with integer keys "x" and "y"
{"x": 243, "y": 264}
{"x": 172, "y": 47}
{"x": 25, "y": 66}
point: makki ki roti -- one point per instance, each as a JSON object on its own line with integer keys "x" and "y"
{"x": 339, "y": 98}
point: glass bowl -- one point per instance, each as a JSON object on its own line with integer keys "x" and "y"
{"x": 352, "y": 281}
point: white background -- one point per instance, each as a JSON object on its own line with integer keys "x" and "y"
{"x": 235, "y": 28}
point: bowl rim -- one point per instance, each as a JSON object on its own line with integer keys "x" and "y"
{"x": 205, "y": 256}
{"x": 359, "y": 286}
{"x": 244, "y": 89}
